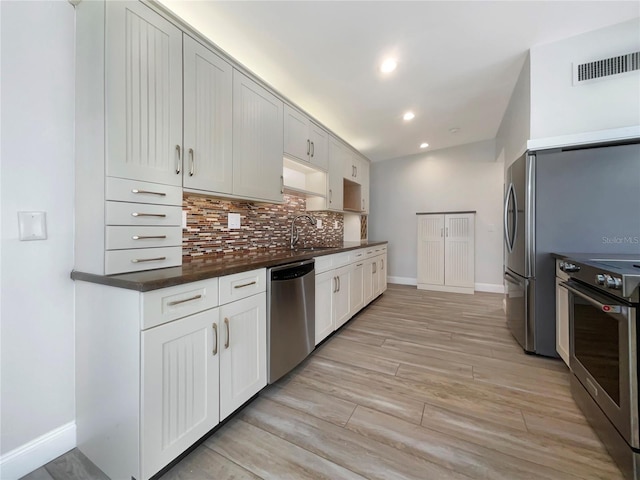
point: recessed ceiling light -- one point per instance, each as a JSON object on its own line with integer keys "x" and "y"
{"x": 454, "y": 130}
{"x": 409, "y": 116}
{"x": 424, "y": 145}
{"x": 389, "y": 65}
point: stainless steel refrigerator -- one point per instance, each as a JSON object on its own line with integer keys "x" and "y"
{"x": 578, "y": 199}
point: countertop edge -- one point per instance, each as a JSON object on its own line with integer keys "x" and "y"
{"x": 172, "y": 276}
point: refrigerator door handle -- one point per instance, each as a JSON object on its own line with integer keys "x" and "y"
{"x": 510, "y": 241}
{"x": 511, "y": 279}
{"x": 530, "y": 245}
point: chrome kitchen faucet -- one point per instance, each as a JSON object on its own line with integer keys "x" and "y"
{"x": 294, "y": 230}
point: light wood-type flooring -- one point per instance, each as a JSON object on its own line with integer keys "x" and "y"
{"x": 419, "y": 385}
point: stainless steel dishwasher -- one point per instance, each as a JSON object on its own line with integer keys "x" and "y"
{"x": 291, "y": 319}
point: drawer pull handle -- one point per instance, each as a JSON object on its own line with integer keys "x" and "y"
{"x": 178, "y": 302}
{"x": 226, "y": 322}
{"x": 215, "y": 341}
{"x": 148, "y": 192}
{"x": 245, "y": 285}
{"x": 136, "y": 214}
{"x": 359, "y": 265}
{"x": 140, "y": 260}
{"x": 147, "y": 237}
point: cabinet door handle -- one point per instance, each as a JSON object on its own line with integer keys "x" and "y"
{"x": 356, "y": 167}
{"x": 330, "y": 196}
{"x": 308, "y": 146}
{"x": 313, "y": 149}
{"x": 281, "y": 183}
{"x": 137, "y": 214}
{"x": 148, "y": 237}
{"x": 382, "y": 264}
{"x": 375, "y": 268}
{"x": 442, "y": 231}
{"x": 178, "y": 302}
{"x": 215, "y": 340}
{"x": 140, "y": 260}
{"x": 363, "y": 204}
{"x": 353, "y": 170}
{"x": 147, "y": 192}
{"x": 226, "y": 322}
{"x": 446, "y": 231}
{"x": 339, "y": 283}
{"x": 192, "y": 163}
{"x": 178, "y": 160}
{"x": 335, "y": 285}
{"x": 245, "y": 284}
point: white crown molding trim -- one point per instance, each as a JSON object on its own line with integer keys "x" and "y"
{"x": 489, "y": 287}
{"x": 402, "y": 280}
{"x": 38, "y": 452}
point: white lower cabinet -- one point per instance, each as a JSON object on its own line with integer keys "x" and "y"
{"x": 243, "y": 351}
{"x": 156, "y": 371}
{"x": 345, "y": 289}
{"x": 325, "y": 289}
{"x": 180, "y": 387}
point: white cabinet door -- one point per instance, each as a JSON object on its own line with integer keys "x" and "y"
{"x": 356, "y": 288}
{"x": 179, "y": 387}
{"x": 257, "y": 141}
{"x": 341, "y": 300}
{"x": 243, "y": 351}
{"x": 207, "y": 119}
{"x": 297, "y": 143}
{"x": 319, "y": 154}
{"x": 368, "y": 280}
{"x": 459, "y": 250}
{"x": 562, "y": 321}
{"x": 382, "y": 269}
{"x": 326, "y": 285}
{"x": 143, "y": 95}
{"x": 335, "y": 193}
{"x": 364, "y": 182}
{"x": 431, "y": 249}
{"x": 376, "y": 277}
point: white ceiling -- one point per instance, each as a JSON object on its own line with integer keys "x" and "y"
{"x": 458, "y": 61}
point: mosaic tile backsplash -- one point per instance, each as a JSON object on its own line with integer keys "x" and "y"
{"x": 262, "y": 225}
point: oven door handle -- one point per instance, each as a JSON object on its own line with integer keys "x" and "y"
{"x": 607, "y": 308}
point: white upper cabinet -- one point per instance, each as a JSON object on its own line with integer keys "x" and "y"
{"x": 364, "y": 182}
{"x": 351, "y": 167}
{"x": 257, "y": 141}
{"x": 208, "y": 161}
{"x": 336, "y": 167}
{"x": 143, "y": 95}
{"x": 304, "y": 140}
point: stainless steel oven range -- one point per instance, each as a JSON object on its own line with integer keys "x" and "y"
{"x": 603, "y": 300}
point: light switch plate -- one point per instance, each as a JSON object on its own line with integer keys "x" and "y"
{"x": 32, "y": 225}
{"x": 184, "y": 219}
{"x": 233, "y": 221}
{"x": 319, "y": 223}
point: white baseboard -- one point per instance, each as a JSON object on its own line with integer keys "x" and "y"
{"x": 402, "y": 280}
{"x": 478, "y": 287}
{"x": 489, "y": 287}
{"x": 31, "y": 456}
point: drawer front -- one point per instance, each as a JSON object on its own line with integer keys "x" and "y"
{"x": 242, "y": 285}
{"x": 341, "y": 259}
{"x": 119, "y": 237}
{"x": 379, "y": 250}
{"x": 121, "y": 213}
{"x": 323, "y": 264}
{"x": 138, "y": 259}
{"x": 167, "y": 304}
{"x": 122, "y": 190}
{"x": 357, "y": 255}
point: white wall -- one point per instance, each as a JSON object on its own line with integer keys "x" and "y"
{"x": 37, "y": 157}
{"x": 559, "y": 108}
{"x": 513, "y": 133}
{"x": 459, "y": 178}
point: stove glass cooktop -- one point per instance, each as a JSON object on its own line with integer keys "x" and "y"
{"x": 623, "y": 267}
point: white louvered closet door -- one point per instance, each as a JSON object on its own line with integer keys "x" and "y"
{"x": 459, "y": 250}
{"x": 431, "y": 249}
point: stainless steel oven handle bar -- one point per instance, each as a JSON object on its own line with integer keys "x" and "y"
{"x": 590, "y": 299}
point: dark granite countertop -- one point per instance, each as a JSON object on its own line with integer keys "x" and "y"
{"x": 210, "y": 266}
{"x": 585, "y": 257}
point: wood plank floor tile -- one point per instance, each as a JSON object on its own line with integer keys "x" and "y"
{"x": 369, "y": 458}
{"x": 74, "y": 465}
{"x": 203, "y": 463}
{"x": 39, "y": 474}
{"x": 271, "y": 457}
{"x": 468, "y": 458}
{"x": 314, "y": 402}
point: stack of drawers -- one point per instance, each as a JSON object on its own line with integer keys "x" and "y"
{"x": 143, "y": 226}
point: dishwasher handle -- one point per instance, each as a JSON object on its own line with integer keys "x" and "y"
{"x": 292, "y": 271}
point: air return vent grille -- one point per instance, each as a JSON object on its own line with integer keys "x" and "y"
{"x": 606, "y": 67}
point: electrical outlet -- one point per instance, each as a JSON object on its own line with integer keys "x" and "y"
{"x": 335, "y": 224}
{"x": 184, "y": 219}
{"x": 319, "y": 224}
{"x": 233, "y": 221}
